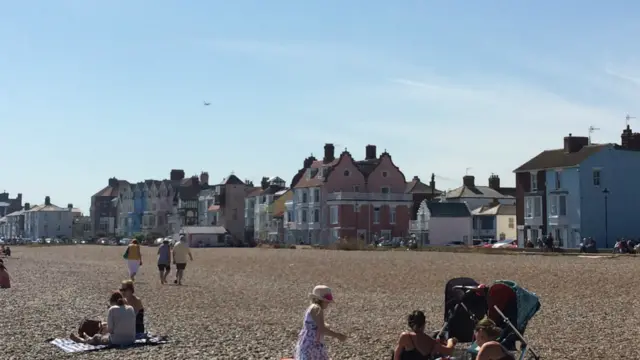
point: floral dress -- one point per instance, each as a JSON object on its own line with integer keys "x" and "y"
{"x": 309, "y": 347}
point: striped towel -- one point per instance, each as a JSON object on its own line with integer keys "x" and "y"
{"x": 70, "y": 346}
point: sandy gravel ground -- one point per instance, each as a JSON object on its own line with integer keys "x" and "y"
{"x": 248, "y": 303}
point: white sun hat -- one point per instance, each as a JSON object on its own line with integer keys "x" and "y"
{"x": 322, "y": 292}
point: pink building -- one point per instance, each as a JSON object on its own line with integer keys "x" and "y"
{"x": 345, "y": 197}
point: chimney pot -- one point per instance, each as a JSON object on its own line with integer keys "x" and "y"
{"x": 176, "y": 174}
{"x": 27, "y": 206}
{"x": 47, "y": 200}
{"x": 370, "y": 152}
{"x": 494, "y": 182}
{"x": 469, "y": 181}
{"x": 329, "y": 153}
{"x": 416, "y": 178}
{"x": 574, "y": 144}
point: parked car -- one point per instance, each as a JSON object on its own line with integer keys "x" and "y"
{"x": 455, "y": 243}
{"x": 124, "y": 241}
{"x": 505, "y": 244}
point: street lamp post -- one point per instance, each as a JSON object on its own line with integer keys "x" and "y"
{"x": 606, "y": 217}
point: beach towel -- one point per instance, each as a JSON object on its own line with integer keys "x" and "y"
{"x": 70, "y": 346}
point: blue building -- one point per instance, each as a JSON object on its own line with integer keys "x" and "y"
{"x": 582, "y": 190}
{"x": 139, "y": 199}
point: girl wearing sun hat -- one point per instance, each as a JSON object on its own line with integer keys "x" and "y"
{"x": 310, "y": 344}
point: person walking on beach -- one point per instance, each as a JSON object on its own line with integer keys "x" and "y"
{"x": 310, "y": 345}
{"x": 181, "y": 254}
{"x": 133, "y": 255}
{"x": 164, "y": 260}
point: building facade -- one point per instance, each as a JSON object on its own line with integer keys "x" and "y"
{"x": 48, "y": 221}
{"x": 228, "y": 206}
{"x": 346, "y": 198}
{"x": 440, "y": 223}
{"x": 9, "y": 205}
{"x": 495, "y": 222}
{"x": 582, "y": 190}
{"x": 476, "y": 195}
{"x": 259, "y": 209}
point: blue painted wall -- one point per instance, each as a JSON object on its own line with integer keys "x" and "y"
{"x": 620, "y": 171}
{"x": 138, "y": 209}
{"x": 569, "y": 182}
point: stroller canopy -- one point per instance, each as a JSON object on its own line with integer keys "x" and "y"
{"x": 464, "y": 306}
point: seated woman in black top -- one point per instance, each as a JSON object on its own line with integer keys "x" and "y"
{"x": 416, "y": 345}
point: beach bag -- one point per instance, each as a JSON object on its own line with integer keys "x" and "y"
{"x": 89, "y": 327}
{"x": 126, "y": 254}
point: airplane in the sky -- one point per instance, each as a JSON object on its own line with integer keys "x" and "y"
{"x": 206, "y": 103}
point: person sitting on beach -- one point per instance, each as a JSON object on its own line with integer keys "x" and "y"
{"x": 486, "y": 334}
{"x": 416, "y": 345}
{"x": 7, "y": 251}
{"x": 5, "y": 280}
{"x": 310, "y": 345}
{"x": 127, "y": 290}
{"x": 121, "y": 325}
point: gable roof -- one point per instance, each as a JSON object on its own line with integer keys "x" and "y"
{"x": 500, "y": 209}
{"x": 448, "y": 209}
{"x": 233, "y": 180}
{"x": 558, "y": 158}
{"x": 366, "y": 167}
{"x": 415, "y": 186}
{"x": 465, "y": 191}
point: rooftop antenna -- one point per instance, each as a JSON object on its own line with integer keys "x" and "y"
{"x": 592, "y": 129}
{"x": 627, "y": 118}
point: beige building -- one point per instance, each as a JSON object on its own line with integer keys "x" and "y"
{"x": 495, "y": 222}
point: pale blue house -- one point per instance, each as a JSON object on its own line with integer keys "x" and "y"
{"x": 581, "y": 190}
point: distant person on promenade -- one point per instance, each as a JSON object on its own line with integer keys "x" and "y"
{"x": 133, "y": 255}
{"x": 181, "y": 254}
{"x": 164, "y": 260}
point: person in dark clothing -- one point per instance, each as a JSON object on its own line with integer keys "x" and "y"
{"x": 416, "y": 345}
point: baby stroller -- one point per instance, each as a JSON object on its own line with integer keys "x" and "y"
{"x": 507, "y": 304}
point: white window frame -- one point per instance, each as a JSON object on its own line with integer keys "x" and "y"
{"x": 376, "y": 215}
{"x": 512, "y": 222}
{"x": 596, "y": 176}
{"x": 316, "y": 216}
{"x": 334, "y": 214}
{"x": 392, "y": 215}
{"x": 316, "y": 195}
{"x": 537, "y": 205}
{"x": 305, "y": 216}
{"x": 534, "y": 182}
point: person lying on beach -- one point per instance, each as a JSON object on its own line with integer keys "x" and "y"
{"x": 121, "y": 325}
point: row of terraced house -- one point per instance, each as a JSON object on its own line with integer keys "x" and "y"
{"x": 336, "y": 196}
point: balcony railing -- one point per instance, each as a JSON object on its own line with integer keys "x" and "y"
{"x": 417, "y": 225}
{"x": 361, "y": 196}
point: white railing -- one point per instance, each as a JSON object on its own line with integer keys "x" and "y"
{"x": 417, "y": 225}
{"x": 358, "y": 196}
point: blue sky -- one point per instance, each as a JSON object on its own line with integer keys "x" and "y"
{"x": 93, "y": 89}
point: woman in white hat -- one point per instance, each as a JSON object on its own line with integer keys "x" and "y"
{"x": 310, "y": 344}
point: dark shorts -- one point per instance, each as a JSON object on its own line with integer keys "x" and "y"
{"x": 181, "y": 266}
{"x": 164, "y": 267}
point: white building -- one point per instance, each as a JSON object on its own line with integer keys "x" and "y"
{"x": 440, "y": 223}
{"x": 4, "y": 227}
{"x": 258, "y": 209}
{"x": 48, "y": 221}
{"x": 476, "y": 195}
